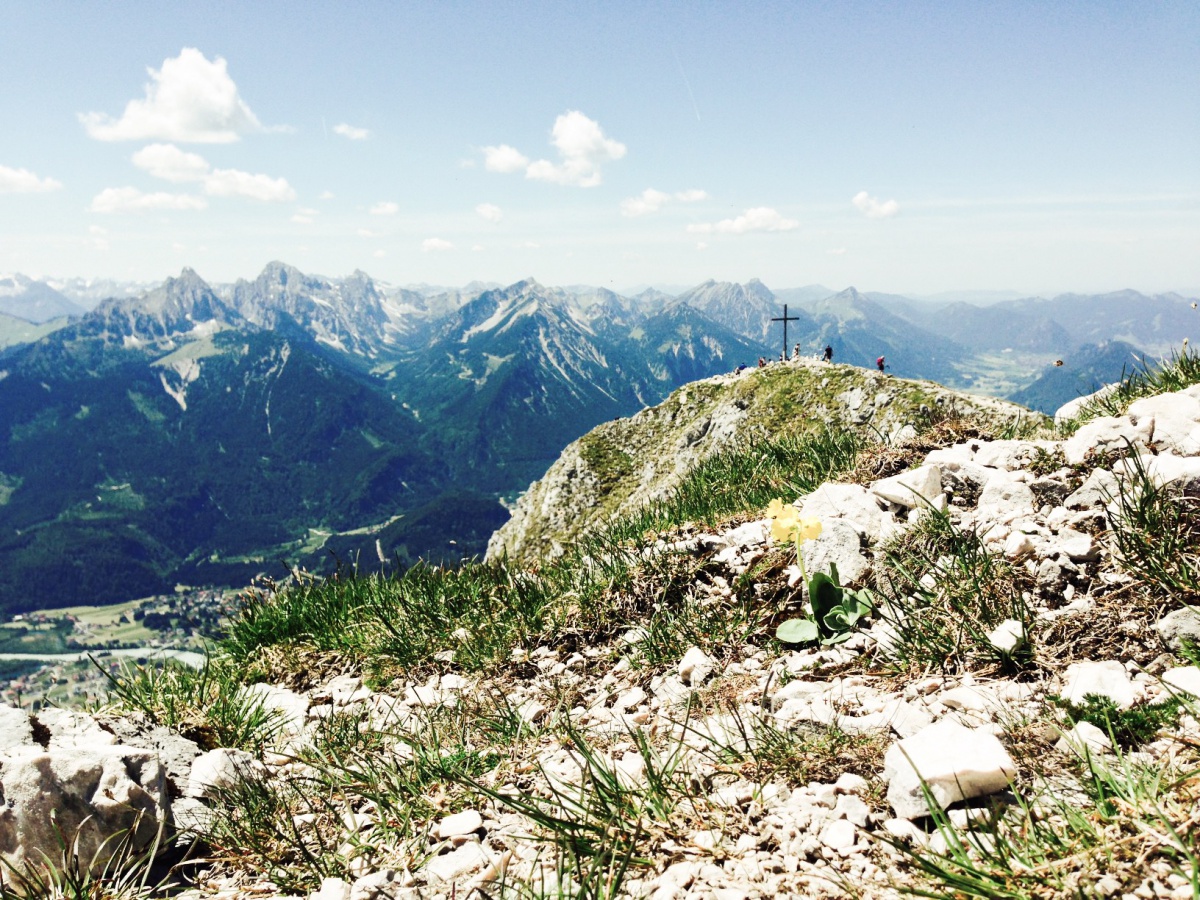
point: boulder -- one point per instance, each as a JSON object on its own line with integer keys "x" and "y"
{"x": 838, "y": 544}
{"x": 1011, "y": 456}
{"x": 1180, "y": 627}
{"x": 950, "y": 760}
{"x": 914, "y": 488}
{"x": 93, "y": 798}
{"x": 1096, "y": 492}
{"x": 219, "y": 769}
{"x": 1005, "y": 498}
{"x": 851, "y": 503}
{"x": 1104, "y": 435}
{"x": 1071, "y": 409}
{"x": 1183, "y": 679}
{"x": 1105, "y": 679}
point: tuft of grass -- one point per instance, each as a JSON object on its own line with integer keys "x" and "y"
{"x": 1156, "y": 531}
{"x": 943, "y": 592}
{"x": 1056, "y": 846}
{"x": 204, "y": 705}
{"x": 1145, "y": 379}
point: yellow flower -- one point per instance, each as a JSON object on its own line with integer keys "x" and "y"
{"x": 807, "y": 530}
{"x": 783, "y": 530}
{"x": 784, "y": 520}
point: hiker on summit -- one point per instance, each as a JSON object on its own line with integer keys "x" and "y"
{"x": 881, "y": 364}
{"x": 796, "y": 351}
{"x": 828, "y": 357}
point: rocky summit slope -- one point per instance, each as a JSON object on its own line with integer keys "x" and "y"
{"x": 1016, "y": 715}
{"x": 624, "y": 464}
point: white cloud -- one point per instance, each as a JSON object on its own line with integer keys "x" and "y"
{"x": 504, "y": 159}
{"x": 490, "y": 211}
{"x": 649, "y": 201}
{"x": 304, "y": 216}
{"x": 582, "y": 147}
{"x": 189, "y": 99}
{"x": 232, "y": 183}
{"x": 379, "y": 254}
{"x": 367, "y": 233}
{"x": 873, "y": 208}
{"x": 350, "y": 132}
{"x": 326, "y": 195}
{"x": 836, "y": 251}
{"x": 168, "y": 162}
{"x": 702, "y": 245}
{"x": 433, "y": 245}
{"x": 476, "y": 247}
{"x": 760, "y": 218}
{"x": 128, "y": 199}
{"x": 22, "y": 181}
{"x": 385, "y": 208}
{"x": 532, "y": 245}
{"x": 99, "y": 238}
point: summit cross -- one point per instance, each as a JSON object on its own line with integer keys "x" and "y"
{"x": 785, "y": 319}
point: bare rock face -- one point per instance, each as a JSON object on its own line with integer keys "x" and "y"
{"x": 68, "y": 781}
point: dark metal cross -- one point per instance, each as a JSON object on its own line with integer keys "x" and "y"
{"x": 784, "y": 319}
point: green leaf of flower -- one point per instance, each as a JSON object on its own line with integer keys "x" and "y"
{"x": 798, "y": 631}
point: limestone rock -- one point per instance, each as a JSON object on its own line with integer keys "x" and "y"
{"x": 1185, "y": 679}
{"x": 839, "y": 543}
{"x": 92, "y": 796}
{"x": 463, "y": 823}
{"x": 455, "y": 864}
{"x": 955, "y": 762}
{"x": 695, "y": 667}
{"x": 913, "y": 489}
{"x": 1106, "y": 679}
{"x": 851, "y": 503}
{"x": 1083, "y": 739}
{"x": 1180, "y": 627}
{"x": 1096, "y": 492}
{"x": 219, "y": 769}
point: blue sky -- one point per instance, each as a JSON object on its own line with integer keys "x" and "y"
{"x": 903, "y": 147}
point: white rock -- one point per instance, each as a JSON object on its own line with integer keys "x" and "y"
{"x": 1085, "y": 738}
{"x": 1180, "y": 627}
{"x": 906, "y": 719}
{"x": 1078, "y": 545}
{"x": 1007, "y": 637}
{"x": 838, "y": 544}
{"x": 467, "y": 822}
{"x": 1106, "y": 679}
{"x": 289, "y": 708}
{"x": 71, "y": 730}
{"x": 1097, "y": 491}
{"x": 332, "y": 889}
{"x": 1183, "y": 678}
{"x": 853, "y": 808}
{"x": 455, "y": 864}
{"x": 1017, "y": 544}
{"x": 852, "y": 503}
{"x": 956, "y": 763}
{"x": 695, "y": 667}
{"x": 1106, "y": 434}
{"x": 631, "y": 699}
{"x": 93, "y": 796}
{"x": 1071, "y": 409}
{"x": 1165, "y": 469}
{"x": 1004, "y": 497}
{"x": 914, "y": 488}
{"x": 751, "y": 534}
{"x": 839, "y": 835}
{"x": 15, "y": 729}
{"x": 219, "y": 769}
{"x": 1011, "y": 456}
{"x": 532, "y": 711}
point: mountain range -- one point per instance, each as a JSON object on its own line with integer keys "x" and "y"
{"x": 202, "y": 433}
